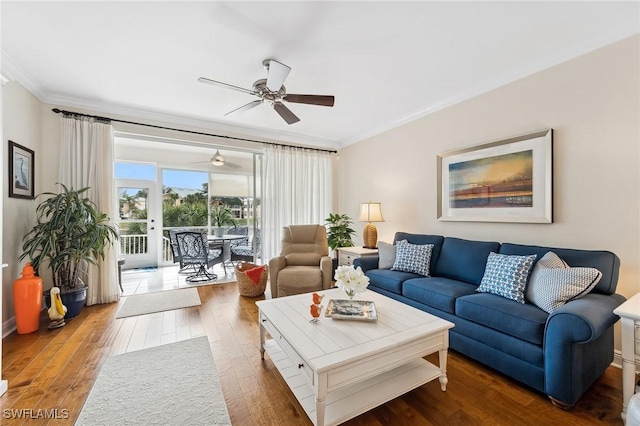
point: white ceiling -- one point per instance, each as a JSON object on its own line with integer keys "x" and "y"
{"x": 386, "y": 62}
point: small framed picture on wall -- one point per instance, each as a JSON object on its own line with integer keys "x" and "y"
{"x": 21, "y": 172}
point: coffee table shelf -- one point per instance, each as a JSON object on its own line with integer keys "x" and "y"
{"x": 359, "y": 398}
{"x": 339, "y": 369}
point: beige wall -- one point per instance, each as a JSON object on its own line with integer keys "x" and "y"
{"x": 21, "y": 116}
{"x": 591, "y": 102}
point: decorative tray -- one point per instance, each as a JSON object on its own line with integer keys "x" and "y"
{"x": 363, "y": 310}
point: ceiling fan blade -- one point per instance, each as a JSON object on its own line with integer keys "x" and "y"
{"x": 278, "y": 72}
{"x": 232, "y": 165}
{"x": 310, "y": 99}
{"x": 228, "y": 86}
{"x": 245, "y": 108}
{"x": 285, "y": 113}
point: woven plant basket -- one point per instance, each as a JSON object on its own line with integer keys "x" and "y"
{"x": 246, "y": 287}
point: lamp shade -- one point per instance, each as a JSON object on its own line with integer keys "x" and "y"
{"x": 370, "y": 212}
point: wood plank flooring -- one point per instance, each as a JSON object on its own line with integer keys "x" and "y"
{"x": 55, "y": 369}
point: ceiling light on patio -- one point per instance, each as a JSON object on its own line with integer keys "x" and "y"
{"x": 217, "y": 159}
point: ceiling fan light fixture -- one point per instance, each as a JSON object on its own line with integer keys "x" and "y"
{"x": 217, "y": 159}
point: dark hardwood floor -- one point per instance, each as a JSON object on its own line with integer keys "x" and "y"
{"x": 55, "y": 369}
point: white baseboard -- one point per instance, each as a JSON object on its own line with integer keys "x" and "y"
{"x": 8, "y": 327}
{"x": 617, "y": 359}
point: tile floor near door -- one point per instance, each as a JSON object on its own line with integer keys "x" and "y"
{"x": 139, "y": 281}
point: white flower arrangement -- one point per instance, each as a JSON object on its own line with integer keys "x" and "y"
{"x": 351, "y": 280}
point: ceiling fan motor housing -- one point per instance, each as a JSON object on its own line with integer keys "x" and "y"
{"x": 261, "y": 89}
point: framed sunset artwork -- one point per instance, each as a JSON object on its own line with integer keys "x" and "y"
{"x": 505, "y": 181}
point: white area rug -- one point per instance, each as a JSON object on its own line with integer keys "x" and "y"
{"x": 174, "y": 384}
{"x": 140, "y": 304}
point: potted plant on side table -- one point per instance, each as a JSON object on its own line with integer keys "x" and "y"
{"x": 70, "y": 234}
{"x": 339, "y": 233}
{"x": 220, "y": 217}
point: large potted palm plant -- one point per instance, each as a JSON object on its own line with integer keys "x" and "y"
{"x": 70, "y": 234}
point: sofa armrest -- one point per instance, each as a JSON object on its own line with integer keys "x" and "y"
{"x": 275, "y": 265}
{"x": 578, "y": 345}
{"x": 582, "y": 320}
{"x": 367, "y": 262}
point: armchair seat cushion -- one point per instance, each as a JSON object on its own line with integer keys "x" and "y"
{"x": 299, "y": 279}
{"x": 303, "y": 259}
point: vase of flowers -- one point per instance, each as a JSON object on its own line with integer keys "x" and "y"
{"x": 351, "y": 280}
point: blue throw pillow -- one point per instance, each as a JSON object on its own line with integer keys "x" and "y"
{"x": 412, "y": 258}
{"x": 506, "y": 275}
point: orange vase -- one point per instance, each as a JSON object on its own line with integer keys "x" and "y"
{"x": 27, "y": 300}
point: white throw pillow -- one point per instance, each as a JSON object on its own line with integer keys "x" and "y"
{"x": 554, "y": 283}
{"x": 387, "y": 255}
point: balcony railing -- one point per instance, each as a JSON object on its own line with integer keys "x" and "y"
{"x": 138, "y": 244}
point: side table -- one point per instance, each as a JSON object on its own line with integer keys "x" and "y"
{"x": 346, "y": 255}
{"x": 629, "y": 312}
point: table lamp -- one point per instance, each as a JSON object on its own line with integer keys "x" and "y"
{"x": 370, "y": 212}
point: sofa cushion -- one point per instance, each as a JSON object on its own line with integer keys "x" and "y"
{"x": 438, "y": 292}
{"x": 604, "y": 261}
{"x": 526, "y": 322}
{"x": 387, "y": 255}
{"x": 507, "y": 275}
{"x": 553, "y": 283}
{"x": 389, "y": 280}
{"x": 413, "y": 257}
{"x": 463, "y": 260}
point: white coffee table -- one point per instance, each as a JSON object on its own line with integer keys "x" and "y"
{"x": 339, "y": 369}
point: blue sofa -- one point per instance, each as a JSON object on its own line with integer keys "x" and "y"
{"x": 560, "y": 354}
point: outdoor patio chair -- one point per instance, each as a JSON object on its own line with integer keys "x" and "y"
{"x": 173, "y": 243}
{"x": 193, "y": 249}
{"x": 245, "y": 252}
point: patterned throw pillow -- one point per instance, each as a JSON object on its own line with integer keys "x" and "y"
{"x": 412, "y": 258}
{"x": 554, "y": 283}
{"x": 506, "y": 275}
{"x": 386, "y": 255}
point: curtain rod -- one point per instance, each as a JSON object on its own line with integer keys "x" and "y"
{"x": 97, "y": 117}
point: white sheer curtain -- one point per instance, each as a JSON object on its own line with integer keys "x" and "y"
{"x": 86, "y": 159}
{"x": 297, "y": 191}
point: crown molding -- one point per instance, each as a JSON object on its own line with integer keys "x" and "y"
{"x": 13, "y": 72}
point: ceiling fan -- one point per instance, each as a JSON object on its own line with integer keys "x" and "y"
{"x": 271, "y": 89}
{"x": 218, "y": 160}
